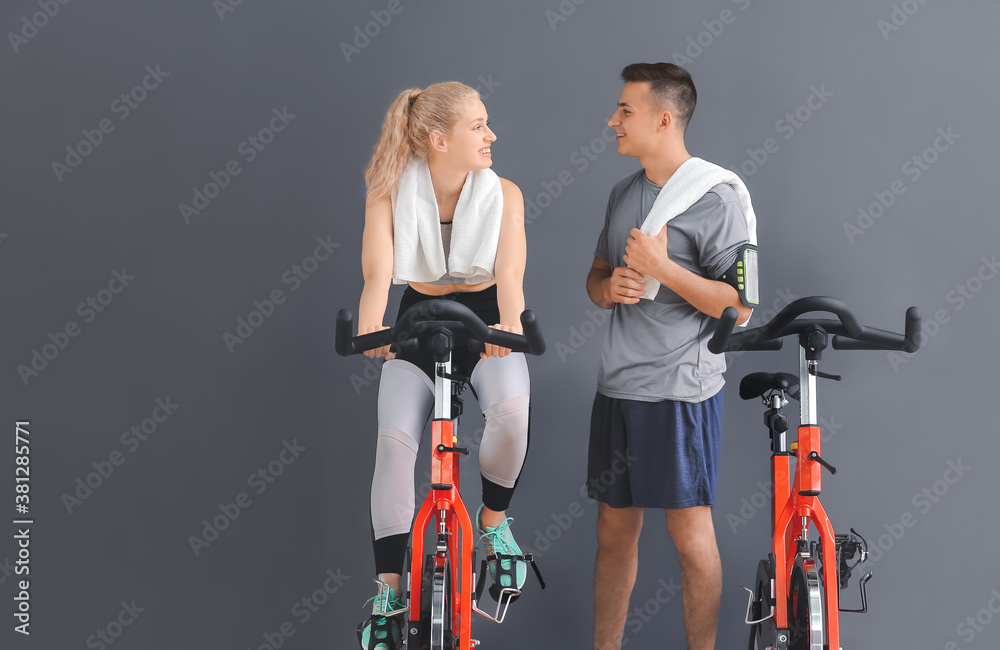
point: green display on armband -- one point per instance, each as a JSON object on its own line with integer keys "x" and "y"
{"x": 742, "y": 275}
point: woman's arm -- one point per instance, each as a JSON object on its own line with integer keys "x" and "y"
{"x": 508, "y": 268}
{"x": 376, "y": 267}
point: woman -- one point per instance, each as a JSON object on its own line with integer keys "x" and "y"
{"x": 441, "y": 221}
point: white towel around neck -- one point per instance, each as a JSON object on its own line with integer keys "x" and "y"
{"x": 685, "y": 186}
{"x": 418, "y": 252}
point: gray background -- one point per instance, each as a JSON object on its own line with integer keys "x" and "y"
{"x": 552, "y": 86}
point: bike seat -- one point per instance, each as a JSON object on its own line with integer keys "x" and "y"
{"x": 757, "y": 383}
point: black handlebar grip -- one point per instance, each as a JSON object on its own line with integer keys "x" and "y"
{"x": 876, "y": 339}
{"x": 532, "y": 332}
{"x": 531, "y": 341}
{"x": 910, "y": 343}
{"x": 345, "y": 330}
{"x": 723, "y": 329}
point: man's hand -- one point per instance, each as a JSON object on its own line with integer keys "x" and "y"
{"x": 646, "y": 254}
{"x": 625, "y": 285}
{"x": 495, "y": 350}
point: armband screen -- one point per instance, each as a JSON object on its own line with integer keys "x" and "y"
{"x": 742, "y": 275}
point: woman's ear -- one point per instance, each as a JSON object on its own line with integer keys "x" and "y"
{"x": 437, "y": 141}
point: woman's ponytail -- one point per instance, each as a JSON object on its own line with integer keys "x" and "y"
{"x": 393, "y": 150}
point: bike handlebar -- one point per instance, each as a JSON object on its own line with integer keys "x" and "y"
{"x": 430, "y": 316}
{"x": 848, "y": 333}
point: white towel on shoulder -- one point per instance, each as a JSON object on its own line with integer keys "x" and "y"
{"x": 418, "y": 252}
{"x": 685, "y": 186}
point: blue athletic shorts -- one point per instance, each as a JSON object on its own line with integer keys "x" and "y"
{"x": 654, "y": 454}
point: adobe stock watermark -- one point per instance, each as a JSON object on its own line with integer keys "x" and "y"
{"x": 924, "y": 500}
{"x": 787, "y": 126}
{"x": 6, "y": 570}
{"x": 960, "y": 296}
{"x": 639, "y": 615}
{"x": 914, "y": 168}
{"x": 88, "y": 309}
{"x": 899, "y": 16}
{"x": 974, "y": 625}
{"x": 224, "y": 7}
{"x": 565, "y": 519}
{"x": 106, "y": 635}
{"x": 364, "y": 34}
{"x": 293, "y": 277}
{"x": 714, "y": 27}
{"x": 132, "y": 439}
{"x": 562, "y": 12}
{"x": 304, "y": 609}
{"x": 262, "y": 478}
{"x": 122, "y": 106}
{"x": 248, "y": 149}
{"x": 580, "y": 159}
{"x": 578, "y": 336}
{"x": 31, "y": 23}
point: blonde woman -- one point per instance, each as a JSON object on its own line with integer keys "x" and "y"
{"x": 441, "y": 221}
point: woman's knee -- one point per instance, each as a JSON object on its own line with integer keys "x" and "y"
{"x": 505, "y": 441}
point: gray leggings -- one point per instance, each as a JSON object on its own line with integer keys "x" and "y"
{"x": 406, "y": 400}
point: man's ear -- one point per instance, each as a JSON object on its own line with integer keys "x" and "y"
{"x": 666, "y": 119}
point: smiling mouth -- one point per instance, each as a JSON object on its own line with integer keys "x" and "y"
{"x": 485, "y": 151}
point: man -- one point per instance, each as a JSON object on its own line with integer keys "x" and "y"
{"x": 655, "y": 426}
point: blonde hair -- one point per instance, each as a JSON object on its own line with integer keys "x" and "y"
{"x": 406, "y": 128}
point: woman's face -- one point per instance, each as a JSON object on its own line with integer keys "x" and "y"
{"x": 469, "y": 138}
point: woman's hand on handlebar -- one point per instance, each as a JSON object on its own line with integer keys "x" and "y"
{"x": 376, "y": 352}
{"x": 495, "y": 350}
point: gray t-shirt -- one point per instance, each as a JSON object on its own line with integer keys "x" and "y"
{"x": 658, "y": 349}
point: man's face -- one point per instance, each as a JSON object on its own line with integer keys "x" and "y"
{"x": 636, "y": 120}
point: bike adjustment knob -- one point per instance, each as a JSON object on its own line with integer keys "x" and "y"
{"x": 816, "y": 457}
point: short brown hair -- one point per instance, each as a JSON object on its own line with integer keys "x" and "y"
{"x": 668, "y": 83}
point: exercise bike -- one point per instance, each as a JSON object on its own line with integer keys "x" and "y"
{"x": 439, "y": 591}
{"x": 795, "y": 604}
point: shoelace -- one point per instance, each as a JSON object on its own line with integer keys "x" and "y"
{"x": 501, "y": 533}
{"x": 392, "y": 605}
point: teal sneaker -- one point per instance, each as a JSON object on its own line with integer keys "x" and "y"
{"x": 382, "y": 629}
{"x": 499, "y": 540}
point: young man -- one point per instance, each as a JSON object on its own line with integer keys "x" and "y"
{"x": 655, "y": 426}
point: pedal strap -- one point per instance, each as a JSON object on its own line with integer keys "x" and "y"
{"x": 510, "y": 572}
{"x": 386, "y": 627}
{"x": 526, "y": 557}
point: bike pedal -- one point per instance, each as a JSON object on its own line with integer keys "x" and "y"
{"x": 504, "y": 594}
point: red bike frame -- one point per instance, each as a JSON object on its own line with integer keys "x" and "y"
{"x": 448, "y": 502}
{"x": 790, "y": 502}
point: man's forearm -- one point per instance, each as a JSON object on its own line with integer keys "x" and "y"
{"x": 707, "y": 296}
{"x": 597, "y": 288}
